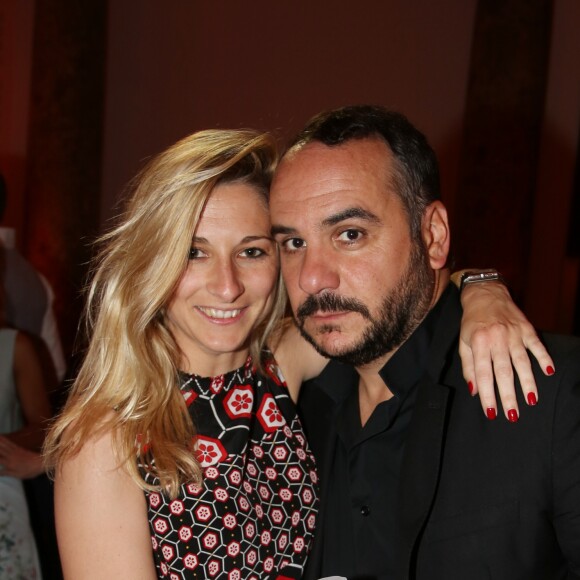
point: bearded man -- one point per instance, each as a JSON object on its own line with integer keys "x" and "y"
{"x": 416, "y": 481}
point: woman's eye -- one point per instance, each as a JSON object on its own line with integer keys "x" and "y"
{"x": 195, "y": 254}
{"x": 253, "y": 253}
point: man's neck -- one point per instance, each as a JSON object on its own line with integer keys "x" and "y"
{"x": 372, "y": 391}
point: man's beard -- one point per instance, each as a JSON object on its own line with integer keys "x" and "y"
{"x": 402, "y": 310}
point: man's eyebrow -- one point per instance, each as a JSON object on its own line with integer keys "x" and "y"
{"x": 349, "y": 213}
{"x": 276, "y": 229}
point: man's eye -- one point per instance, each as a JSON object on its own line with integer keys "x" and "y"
{"x": 253, "y": 253}
{"x": 350, "y": 236}
{"x": 294, "y": 244}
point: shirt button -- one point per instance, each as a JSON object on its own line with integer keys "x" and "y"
{"x": 365, "y": 510}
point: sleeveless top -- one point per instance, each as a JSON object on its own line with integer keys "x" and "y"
{"x": 254, "y": 514}
{"x": 18, "y": 554}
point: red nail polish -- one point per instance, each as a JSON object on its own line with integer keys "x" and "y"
{"x": 512, "y": 416}
{"x": 470, "y": 387}
{"x": 532, "y": 399}
{"x": 550, "y": 370}
{"x": 491, "y": 414}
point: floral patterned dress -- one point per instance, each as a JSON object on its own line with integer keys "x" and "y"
{"x": 253, "y": 517}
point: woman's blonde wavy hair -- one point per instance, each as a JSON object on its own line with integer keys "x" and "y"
{"x": 131, "y": 362}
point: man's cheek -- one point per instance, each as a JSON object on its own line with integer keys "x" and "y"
{"x": 290, "y": 274}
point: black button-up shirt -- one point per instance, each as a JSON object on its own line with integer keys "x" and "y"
{"x": 359, "y": 527}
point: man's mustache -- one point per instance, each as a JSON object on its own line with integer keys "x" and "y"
{"x": 330, "y": 303}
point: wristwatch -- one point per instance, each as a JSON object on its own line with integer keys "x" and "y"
{"x": 475, "y": 276}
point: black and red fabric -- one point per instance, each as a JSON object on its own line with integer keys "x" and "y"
{"x": 254, "y": 515}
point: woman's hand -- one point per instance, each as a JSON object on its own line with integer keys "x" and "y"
{"x": 494, "y": 337}
{"x": 16, "y": 461}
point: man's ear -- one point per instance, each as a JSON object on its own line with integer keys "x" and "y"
{"x": 436, "y": 235}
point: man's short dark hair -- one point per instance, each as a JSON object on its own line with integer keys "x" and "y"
{"x": 417, "y": 176}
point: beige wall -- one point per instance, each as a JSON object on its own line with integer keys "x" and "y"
{"x": 272, "y": 65}
{"x": 181, "y": 65}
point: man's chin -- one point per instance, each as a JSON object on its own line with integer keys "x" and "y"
{"x": 326, "y": 344}
{"x": 359, "y": 353}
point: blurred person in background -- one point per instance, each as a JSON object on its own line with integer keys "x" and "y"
{"x": 29, "y": 299}
{"x": 24, "y": 411}
{"x": 28, "y": 306}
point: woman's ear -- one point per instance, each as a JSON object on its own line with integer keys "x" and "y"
{"x": 436, "y": 235}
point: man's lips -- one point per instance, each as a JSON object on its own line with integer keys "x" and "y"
{"x": 325, "y": 316}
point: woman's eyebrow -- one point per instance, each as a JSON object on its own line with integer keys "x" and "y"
{"x": 200, "y": 240}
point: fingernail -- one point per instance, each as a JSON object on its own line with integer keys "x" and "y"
{"x": 532, "y": 399}
{"x": 491, "y": 414}
{"x": 470, "y": 387}
{"x": 550, "y": 370}
{"x": 512, "y": 416}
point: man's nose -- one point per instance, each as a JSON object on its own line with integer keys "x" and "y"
{"x": 318, "y": 272}
{"x": 225, "y": 281}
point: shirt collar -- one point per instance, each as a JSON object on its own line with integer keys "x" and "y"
{"x": 408, "y": 364}
{"x": 403, "y": 370}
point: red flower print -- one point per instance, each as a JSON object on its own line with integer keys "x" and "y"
{"x": 205, "y": 453}
{"x": 217, "y": 384}
{"x": 269, "y": 414}
{"x": 242, "y": 402}
{"x": 273, "y": 413}
{"x": 239, "y": 402}
{"x": 209, "y": 451}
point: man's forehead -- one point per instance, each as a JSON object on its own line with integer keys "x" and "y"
{"x": 337, "y": 171}
{"x": 355, "y": 156}
{"x": 353, "y": 148}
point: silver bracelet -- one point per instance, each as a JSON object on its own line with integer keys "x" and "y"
{"x": 475, "y": 276}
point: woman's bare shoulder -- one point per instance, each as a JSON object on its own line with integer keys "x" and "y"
{"x": 297, "y": 358}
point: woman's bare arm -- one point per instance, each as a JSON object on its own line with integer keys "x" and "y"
{"x": 297, "y": 358}
{"x": 101, "y": 517}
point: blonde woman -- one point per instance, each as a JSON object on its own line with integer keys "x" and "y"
{"x": 180, "y": 432}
